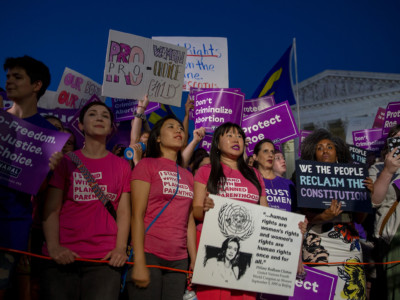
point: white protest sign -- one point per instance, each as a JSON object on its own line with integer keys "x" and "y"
{"x": 206, "y": 60}
{"x": 75, "y": 90}
{"x": 255, "y": 248}
{"x": 136, "y": 66}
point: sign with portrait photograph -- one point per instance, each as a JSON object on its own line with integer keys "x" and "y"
{"x": 248, "y": 247}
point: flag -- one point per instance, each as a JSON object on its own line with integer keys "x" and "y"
{"x": 278, "y": 81}
{"x": 159, "y": 114}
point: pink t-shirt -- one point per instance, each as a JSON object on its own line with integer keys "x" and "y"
{"x": 236, "y": 187}
{"x": 86, "y": 226}
{"x": 168, "y": 235}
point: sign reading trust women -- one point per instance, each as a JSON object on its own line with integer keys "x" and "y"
{"x": 136, "y": 66}
{"x": 206, "y": 60}
{"x": 248, "y": 247}
{"x": 215, "y": 107}
{"x": 275, "y": 123}
{"x": 318, "y": 183}
{"x": 25, "y": 150}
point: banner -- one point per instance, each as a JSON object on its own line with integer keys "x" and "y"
{"x": 64, "y": 114}
{"x": 276, "y": 123}
{"x": 25, "y": 150}
{"x": 317, "y": 285}
{"x": 278, "y": 81}
{"x": 369, "y": 139}
{"x": 255, "y": 105}
{"x": 136, "y": 66}
{"x": 216, "y": 107}
{"x": 317, "y": 183}
{"x": 75, "y": 89}
{"x": 206, "y": 60}
{"x": 124, "y": 109}
{"x": 248, "y": 247}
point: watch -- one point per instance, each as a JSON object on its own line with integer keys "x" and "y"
{"x": 140, "y": 115}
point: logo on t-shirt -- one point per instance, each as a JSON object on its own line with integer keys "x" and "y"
{"x": 82, "y": 190}
{"x": 233, "y": 188}
{"x": 170, "y": 181}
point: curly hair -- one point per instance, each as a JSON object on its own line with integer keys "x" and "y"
{"x": 308, "y": 146}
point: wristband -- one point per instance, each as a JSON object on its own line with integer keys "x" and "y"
{"x": 140, "y": 115}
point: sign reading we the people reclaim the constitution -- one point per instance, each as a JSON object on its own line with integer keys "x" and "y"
{"x": 206, "y": 60}
{"x": 136, "y": 66}
{"x": 318, "y": 183}
{"x": 25, "y": 150}
{"x": 248, "y": 247}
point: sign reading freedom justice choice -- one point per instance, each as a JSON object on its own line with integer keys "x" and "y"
{"x": 260, "y": 246}
{"x": 318, "y": 183}
{"x": 136, "y": 66}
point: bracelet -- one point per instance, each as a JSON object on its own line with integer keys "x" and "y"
{"x": 140, "y": 106}
{"x": 141, "y": 116}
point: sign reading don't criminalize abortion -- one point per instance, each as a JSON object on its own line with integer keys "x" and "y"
{"x": 25, "y": 150}
{"x": 318, "y": 183}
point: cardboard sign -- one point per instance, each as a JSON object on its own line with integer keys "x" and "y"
{"x": 255, "y": 105}
{"x": 261, "y": 245}
{"x": 124, "y": 109}
{"x": 25, "y": 150}
{"x": 318, "y": 183}
{"x": 206, "y": 60}
{"x": 276, "y": 123}
{"x": 136, "y": 66}
{"x": 317, "y": 285}
{"x": 369, "y": 139}
{"x": 75, "y": 89}
{"x": 392, "y": 117}
{"x": 213, "y": 108}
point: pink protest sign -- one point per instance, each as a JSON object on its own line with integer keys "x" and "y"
{"x": 25, "y": 150}
{"x": 216, "y": 107}
{"x": 76, "y": 89}
{"x": 392, "y": 117}
{"x": 276, "y": 123}
{"x": 124, "y": 109}
{"x": 256, "y": 105}
{"x": 380, "y": 118}
{"x": 369, "y": 139}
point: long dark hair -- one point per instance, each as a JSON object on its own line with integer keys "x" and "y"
{"x": 257, "y": 149}
{"x": 153, "y": 147}
{"x": 308, "y": 146}
{"x": 221, "y": 255}
{"x": 217, "y": 175}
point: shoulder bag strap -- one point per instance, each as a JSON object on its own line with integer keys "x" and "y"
{"x": 93, "y": 184}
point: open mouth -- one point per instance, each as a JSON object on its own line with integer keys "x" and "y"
{"x": 236, "y": 148}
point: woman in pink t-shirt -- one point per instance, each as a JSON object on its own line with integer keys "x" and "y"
{"x": 227, "y": 173}
{"x": 163, "y": 227}
{"x": 77, "y": 224}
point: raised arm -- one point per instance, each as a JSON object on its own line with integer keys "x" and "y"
{"x": 198, "y": 135}
{"x": 188, "y": 106}
{"x": 136, "y": 122}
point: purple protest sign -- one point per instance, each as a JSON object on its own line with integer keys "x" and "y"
{"x": 214, "y": 108}
{"x": 317, "y": 285}
{"x": 276, "y": 123}
{"x": 64, "y": 114}
{"x": 123, "y": 109}
{"x": 256, "y": 105}
{"x": 25, "y": 150}
{"x": 369, "y": 139}
{"x": 379, "y": 118}
{"x": 303, "y": 135}
{"x": 392, "y": 117}
{"x": 206, "y": 142}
